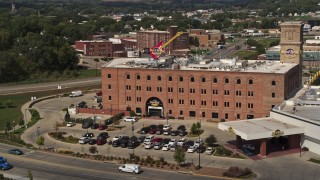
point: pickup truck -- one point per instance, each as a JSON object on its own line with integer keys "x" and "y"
{"x": 4, "y": 165}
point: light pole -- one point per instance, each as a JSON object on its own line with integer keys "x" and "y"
{"x": 167, "y": 117}
{"x": 199, "y": 153}
{"x": 132, "y": 130}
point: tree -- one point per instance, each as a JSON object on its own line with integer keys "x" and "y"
{"x": 40, "y": 141}
{"x": 198, "y": 125}
{"x": 210, "y": 140}
{"x": 193, "y": 129}
{"x": 93, "y": 149}
{"x": 67, "y": 116}
{"x": 196, "y": 42}
{"x": 30, "y": 176}
{"x": 179, "y": 155}
{"x": 8, "y": 103}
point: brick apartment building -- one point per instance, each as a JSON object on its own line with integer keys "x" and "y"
{"x": 99, "y": 48}
{"x": 148, "y": 39}
{"x": 206, "y": 38}
{"x": 209, "y": 89}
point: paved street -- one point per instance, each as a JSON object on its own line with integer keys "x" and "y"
{"x": 285, "y": 167}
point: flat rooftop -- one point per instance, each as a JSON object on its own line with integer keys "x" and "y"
{"x": 195, "y": 64}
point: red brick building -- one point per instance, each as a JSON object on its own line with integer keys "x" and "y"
{"x": 209, "y": 89}
{"x": 98, "y": 48}
{"x": 148, "y": 39}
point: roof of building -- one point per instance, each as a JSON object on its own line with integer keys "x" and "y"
{"x": 196, "y": 64}
{"x": 154, "y": 31}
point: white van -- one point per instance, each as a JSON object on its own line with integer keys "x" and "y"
{"x": 133, "y": 168}
{"x": 75, "y": 93}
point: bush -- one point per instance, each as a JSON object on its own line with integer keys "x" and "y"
{"x": 221, "y": 151}
{"x": 236, "y": 172}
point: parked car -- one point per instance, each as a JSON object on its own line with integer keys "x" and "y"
{"x": 158, "y": 145}
{"x": 173, "y": 147}
{"x": 160, "y": 126}
{"x": 159, "y": 131}
{"x": 191, "y": 149}
{"x": 133, "y": 142}
{"x": 82, "y": 104}
{"x": 92, "y": 141}
{"x": 116, "y": 143}
{"x": 174, "y": 133}
{"x": 15, "y": 151}
{"x": 70, "y": 124}
{"x": 166, "y": 132}
{"x": 166, "y": 147}
{"x": 102, "y": 127}
{"x": 99, "y": 93}
{"x": 167, "y": 127}
{"x": 181, "y": 128}
{"x": 209, "y": 150}
{"x": 201, "y": 149}
{"x": 84, "y": 140}
{"x": 181, "y": 141}
{"x": 129, "y": 119}
{"x": 148, "y": 139}
{"x": 88, "y": 135}
{"x": 198, "y": 142}
{"x": 183, "y": 133}
{"x": 141, "y": 139}
{"x": 116, "y": 137}
{"x": 152, "y": 131}
{"x": 248, "y": 152}
{"x": 87, "y": 124}
{"x": 101, "y": 140}
{"x": 190, "y": 143}
{"x": 104, "y": 135}
{"x": 153, "y": 126}
{"x": 172, "y": 142}
{"x": 133, "y": 168}
{"x": 166, "y": 140}
{"x": 145, "y": 130}
{"x": 148, "y": 145}
{"x": 94, "y": 126}
{"x": 124, "y": 143}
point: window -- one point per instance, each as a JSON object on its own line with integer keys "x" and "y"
{"x": 250, "y": 93}
{"x": 110, "y": 98}
{"x": 109, "y": 76}
{"x": 181, "y": 90}
{"x": 215, "y": 91}
{"x": 109, "y": 86}
{"x": 238, "y": 104}
{"x": 128, "y": 98}
{"x": 226, "y": 80}
{"x": 170, "y": 111}
{"x": 192, "y": 90}
{"x": 250, "y": 105}
{"x": 148, "y": 77}
{"x": 181, "y": 101}
{"x": 238, "y": 93}
{"x": 138, "y": 77}
{"x": 128, "y": 76}
{"x": 159, "y": 89}
{"x": 138, "y": 88}
{"x": 226, "y": 116}
{"x": 192, "y": 113}
{"x": 148, "y": 88}
{"x": 215, "y": 80}
{"x": 272, "y": 106}
{"x": 170, "y": 101}
{"x": 250, "y": 81}
{"x": 170, "y": 89}
{"x": 203, "y": 79}
{"x": 192, "y": 79}
{"x": 181, "y": 79}
{"x": 203, "y": 91}
{"x": 238, "y": 81}
{"x": 215, "y": 115}
{"x": 273, "y": 95}
{"x": 159, "y": 78}
{"x": 203, "y": 114}
{"x": 181, "y": 113}
{"x": 226, "y": 92}
{"x": 273, "y": 83}
{"x": 138, "y": 99}
{"x": 128, "y": 87}
{"x": 226, "y": 104}
{"x": 238, "y": 116}
{"x": 214, "y": 103}
{"x": 203, "y": 103}
{"x": 192, "y": 102}
{"x": 170, "y": 78}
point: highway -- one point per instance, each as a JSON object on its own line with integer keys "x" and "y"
{"x": 17, "y": 89}
{"x": 46, "y": 165}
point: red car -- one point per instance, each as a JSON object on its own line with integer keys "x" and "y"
{"x": 99, "y": 93}
{"x": 102, "y": 127}
{"x": 152, "y": 131}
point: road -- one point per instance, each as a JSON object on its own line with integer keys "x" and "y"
{"x": 6, "y": 90}
{"x": 46, "y": 165}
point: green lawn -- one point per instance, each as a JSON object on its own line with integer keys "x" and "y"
{"x": 89, "y": 73}
{"x": 248, "y": 55}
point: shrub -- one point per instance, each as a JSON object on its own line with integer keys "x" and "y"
{"x": 236, "y": 172}
{"x": 221, "y": 151}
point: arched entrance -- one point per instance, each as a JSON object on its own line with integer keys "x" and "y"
{"x": 154, "y": 107}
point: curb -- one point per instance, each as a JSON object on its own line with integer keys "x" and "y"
{"x": 186, "y": 172}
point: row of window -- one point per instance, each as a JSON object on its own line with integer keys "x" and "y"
{"x": 192, "y": 79}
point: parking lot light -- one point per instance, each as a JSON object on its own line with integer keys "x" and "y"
{"x": 199, "y": 152}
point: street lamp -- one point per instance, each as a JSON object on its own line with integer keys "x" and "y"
{"x": 167, "y": 117}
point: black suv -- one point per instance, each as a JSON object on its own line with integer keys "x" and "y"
{"x": 82, "y": 105}
{"x": 104, "y": 135}
{"x": 181, "y": 128}
{"x": 133, "y": 142}
{"x": 94, "y": 126}
{"x": 144, "y": 130}
{"x": 87, "y": 124}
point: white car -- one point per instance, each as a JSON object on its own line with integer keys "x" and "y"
{"x": 70, "y": 124}
{"x": 148, "y": 145}
{"x": 148, "y": 139}
{"x": 198, "y": 142}
{"x": 181, "y": 141}
{"x": 133, "y": 168}
{"x": 166, "y": 147}
{"x": 129, "y": 119}
{"x": 84, "y": 140}
{"x": 192, "y": 149}
{"x": 167, "y": 127}
{"x": 209, "y": 150}
{"x": 116, "y": 137}
{"x": 173, "y": 142}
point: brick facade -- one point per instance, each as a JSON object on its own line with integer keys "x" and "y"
{"x": 202, "y": 98}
